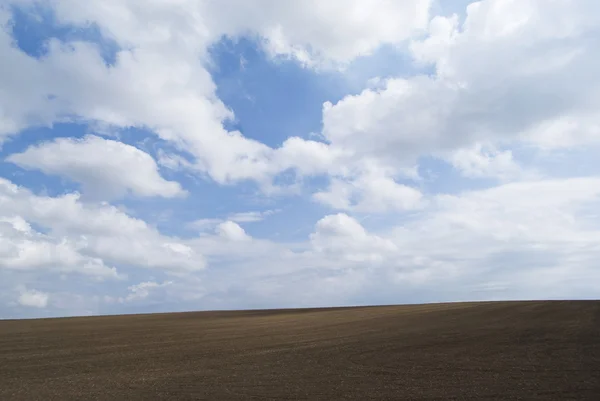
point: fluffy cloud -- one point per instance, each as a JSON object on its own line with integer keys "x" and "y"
{"x": 547, "y": 226}
{"x": 106, "y": 169}
{"x": 32, "y": 298}
{"x": 170, "y": 94}
{"x": 526, "y": 240}
{"x": 341, "y": 235}
{"x": 512, "y": 71}
{"x": 485, "y": 161}
{"x": 98, "y": 231}
{"x": 231, "y": 231}
{"x": 24, "y": 249}
{"x": 339, "y": 30}
{"x": 369, "y": 192}
{"x": 535, "y": 239}
{"x": 159, "y": 80}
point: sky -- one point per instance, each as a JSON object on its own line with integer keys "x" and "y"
{"x": 173, "y": 155}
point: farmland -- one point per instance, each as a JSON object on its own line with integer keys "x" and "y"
{"x": 457, "y": 351}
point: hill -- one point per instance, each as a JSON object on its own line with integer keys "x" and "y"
{"x": 459, "y": 351}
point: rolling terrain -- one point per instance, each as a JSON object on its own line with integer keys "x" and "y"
{"x": 458, "y": 351}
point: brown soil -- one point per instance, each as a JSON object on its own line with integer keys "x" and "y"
{"x": 461, "y": 351}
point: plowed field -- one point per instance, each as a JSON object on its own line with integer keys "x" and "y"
{"x": 458, "y": 351}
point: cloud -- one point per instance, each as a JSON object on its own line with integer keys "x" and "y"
{"x": 33, "y": 298}
{"x": 205, "y": 224}
{"x": 485, "y": 161}
{"x": 341, "y": 235}
{"x": 543, "y": 225}
{"x": 142, "y": 291}
{"x": 98, "y": 231}
{"x": 369, "y": 192}
{"x": 503, "y": 76}
{"x": 340, "y": 30}
{"x": 534, "y": 239}
{"x": 166, "y": 91}
{"x": 251, "y": 217}
{"x": 231, "y": 231}
{"x": 240, "y": 217}
{"x": 107, "y": 169}
{"x": 24, "y": 249}
{"x": 464, "y": 103}
{"x": 159, "y": 80}
{"x": 524, "y": 240}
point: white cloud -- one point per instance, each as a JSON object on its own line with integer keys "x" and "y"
{"x": 305, "y": 156}
{"x": 107, "y": 169}
{"x": 534, "y": 239}
{"x": 485, "y": 161}
{"x": 24, "y": 249}
{"x": 98, "y": 231}
{"x": 160, "y": 82}
{"x": 339, "y": 30}
{"x": 342, "y": 236}
{"x": 251, "y": 217}
{"x": 207, "y": 224}
{"x": 491, "y": 73}
{"x": 526, "y": 240}
{"x": 512, "y": 72}
{"x": 371, "y": 191}
{"x": 142, "y": 291}
{"x": 231, "y": 231}
{"x": 33, "y": 298}
{"x": 505, "y": 233}
{"x": 165, "y": 90}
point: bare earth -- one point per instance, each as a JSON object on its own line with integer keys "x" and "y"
{"x": 462, "y": 351}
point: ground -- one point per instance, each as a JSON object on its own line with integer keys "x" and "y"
{"x": 458, "y": 351}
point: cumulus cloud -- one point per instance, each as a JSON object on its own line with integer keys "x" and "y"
{"x": 99, "y": 231}
{"x": 534, "y": 239}
{"x": 24, "y": 249}
{"x": 232, "y": 231}
{"x": 369, "y": 192}
{"x": 511, "y": 72}
{"x": 546, "y": 226}
{"x": 33, "y": 298}
{"x": 486, "y": 161}
{"x": 106, "y": 168}
{"x": 525, "y": 240}
{"x": 341, "y": 235}
{"x": 340, "y": 30}
{"x": 159, "y": 79}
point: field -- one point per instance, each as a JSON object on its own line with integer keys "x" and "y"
{"x": 458, "y": 351}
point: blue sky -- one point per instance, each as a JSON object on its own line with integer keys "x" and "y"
{"x": 158, "y": 158}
